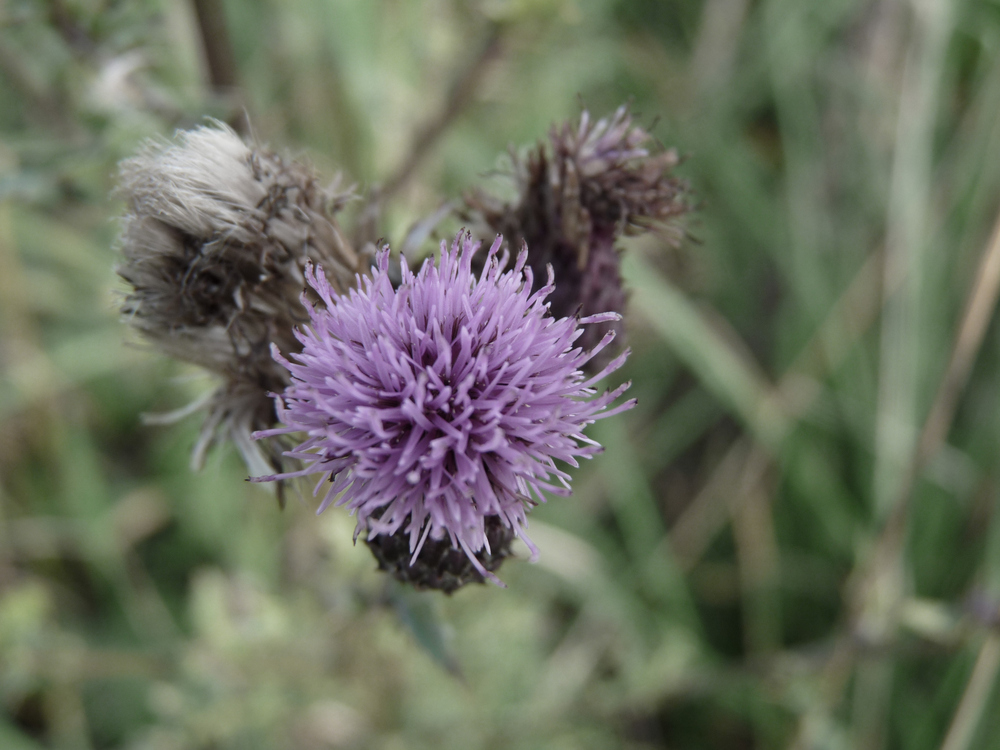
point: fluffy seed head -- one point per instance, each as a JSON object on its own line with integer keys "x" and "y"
{"x": 592, "y": 183}
{"x": 439, "y": 409}
{"x": 214, "y": 242}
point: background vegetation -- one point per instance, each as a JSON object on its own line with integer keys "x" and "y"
{"x": 793, "y": 542}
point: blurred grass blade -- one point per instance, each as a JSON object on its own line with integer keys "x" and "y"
{"x": 737, "y": 382}
{"x": 419, "y": 614}
{"x": 639, "y": 516}
{"x": 904, "y": 335}
{"x": 977, "y": 693}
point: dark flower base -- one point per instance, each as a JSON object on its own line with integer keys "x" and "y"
{"x": 439, "y": 565}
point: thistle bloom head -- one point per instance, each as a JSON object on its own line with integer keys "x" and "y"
{"x": 443, "y": 409}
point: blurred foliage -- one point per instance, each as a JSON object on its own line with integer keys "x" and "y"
{"x": 726, "y": 574}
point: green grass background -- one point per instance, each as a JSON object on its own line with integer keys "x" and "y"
{"x": 722, "y": 576}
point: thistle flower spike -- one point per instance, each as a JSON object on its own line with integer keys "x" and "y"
{"x": 438, "y": 410}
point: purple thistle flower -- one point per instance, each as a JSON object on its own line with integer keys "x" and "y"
{"x": 440, "y": 408}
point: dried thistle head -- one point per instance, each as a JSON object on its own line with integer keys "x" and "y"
{"x": 590, "y": 184}
{"x": 214, "y": 242}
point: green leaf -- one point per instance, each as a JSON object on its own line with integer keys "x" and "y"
{"x": 418, "y": 612}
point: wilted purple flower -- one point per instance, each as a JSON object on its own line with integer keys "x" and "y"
{"x": 440, "y": 408}
{"x": 577, "y": 195}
